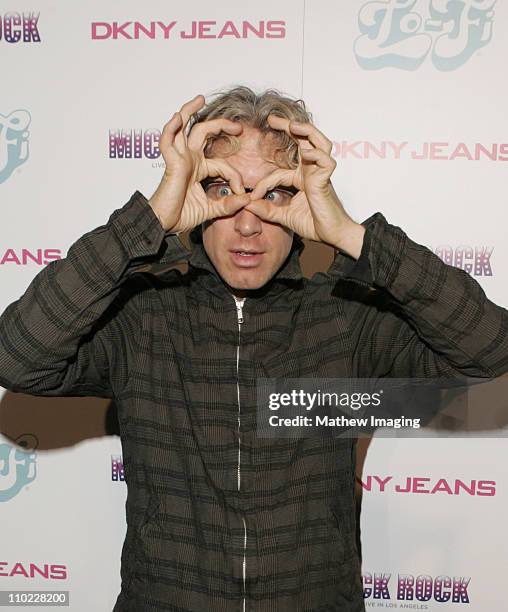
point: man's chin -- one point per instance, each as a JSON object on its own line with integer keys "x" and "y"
{"x": 246, "y": 284}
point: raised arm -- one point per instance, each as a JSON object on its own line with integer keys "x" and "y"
{"x": 62, "y": 336}
{"x": 426, "y": 318}
{"x": 56, "y": 339}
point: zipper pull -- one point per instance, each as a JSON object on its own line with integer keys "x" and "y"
{"x": 239, "y": 309}
{"x": 239, "y": 312}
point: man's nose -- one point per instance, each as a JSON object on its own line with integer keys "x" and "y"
{"x": 247, "y": 223}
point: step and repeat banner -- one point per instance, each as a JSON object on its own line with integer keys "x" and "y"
{"x": 413, "y": 95}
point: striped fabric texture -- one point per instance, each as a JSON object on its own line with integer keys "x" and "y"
{"x": 218, "y": 519}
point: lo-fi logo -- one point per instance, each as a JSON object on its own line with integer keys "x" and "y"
{"x": 13, "y": 142}
{"x": 393, "y": 35}
{"x": 17, "y": 465}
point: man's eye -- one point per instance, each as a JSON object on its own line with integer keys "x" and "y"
{"x": 278, "y": 196}
{"x": 224, "y": 190}
{"x": 216, "y": 191}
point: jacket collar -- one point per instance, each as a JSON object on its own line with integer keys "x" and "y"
{"x": 208, "y": 277}
{"x": 290, "y": 269}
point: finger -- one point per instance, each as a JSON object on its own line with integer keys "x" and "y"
{"x": 265, "y": 210}
{"x": 201, "y": 131}
{"x": 302, "y": 130}
{"x": 282, "y": 124}
{"x": 187, "y": 110}
{"x": 220, "y": 167}
{"x": 277, "y": 177}
{"x": 169, "y": 131}
{"x": 228, "y": 206}
{"x": 317, "y": 138}
{"x": 320, "y": 158}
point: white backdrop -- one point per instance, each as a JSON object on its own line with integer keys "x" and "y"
{"x": 412, "y": 92}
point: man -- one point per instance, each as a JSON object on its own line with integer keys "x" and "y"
{"x": 218, "y": 518}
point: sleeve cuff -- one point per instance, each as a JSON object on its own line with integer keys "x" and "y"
{"x": 137, "y": 227}
{"x": 382, "y": 251}
{"x": 144, "y": 239}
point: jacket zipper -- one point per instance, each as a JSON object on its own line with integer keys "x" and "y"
{"x": 239, "y": 312}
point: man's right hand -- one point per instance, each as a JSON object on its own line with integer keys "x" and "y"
{"x": 180, "y": 202}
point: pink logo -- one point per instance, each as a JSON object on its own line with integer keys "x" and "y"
{"x": 16, "y": 28}
{"x": 134, "y": 143}
{"x": 473, "y": 260}
{"x": 135, "y": 30}
{"x": 422, "y": 588}
{"x": 117, "y": 470}
{"x": 32, "y": 570}
{"x": 426, "y": 485}
{"x": 24, "y": 257}
{"x": 423, "y": 151}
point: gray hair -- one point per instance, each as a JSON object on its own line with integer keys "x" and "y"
{"x": 241, "y": 103}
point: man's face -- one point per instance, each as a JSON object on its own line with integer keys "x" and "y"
{"x": 228, "y": 240}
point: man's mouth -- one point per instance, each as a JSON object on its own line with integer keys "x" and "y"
{"x": 247, "y": 257}
{"x": 248, "y": 252}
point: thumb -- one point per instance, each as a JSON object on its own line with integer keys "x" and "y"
{"x": 229, "y": 205}
{"x": 265, "y": 210}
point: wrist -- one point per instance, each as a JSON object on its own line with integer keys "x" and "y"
{"x": 156, "y": 204}
{"x": 349, "y": 238}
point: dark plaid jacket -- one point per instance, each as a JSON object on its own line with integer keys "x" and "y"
{"x": 218, "y": 519}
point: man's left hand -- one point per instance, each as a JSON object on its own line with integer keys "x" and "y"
{"x": 315, "y": 212}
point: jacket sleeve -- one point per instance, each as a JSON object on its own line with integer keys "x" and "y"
{"x": 425, "y": 318}
{"x": 57, "y": 338}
